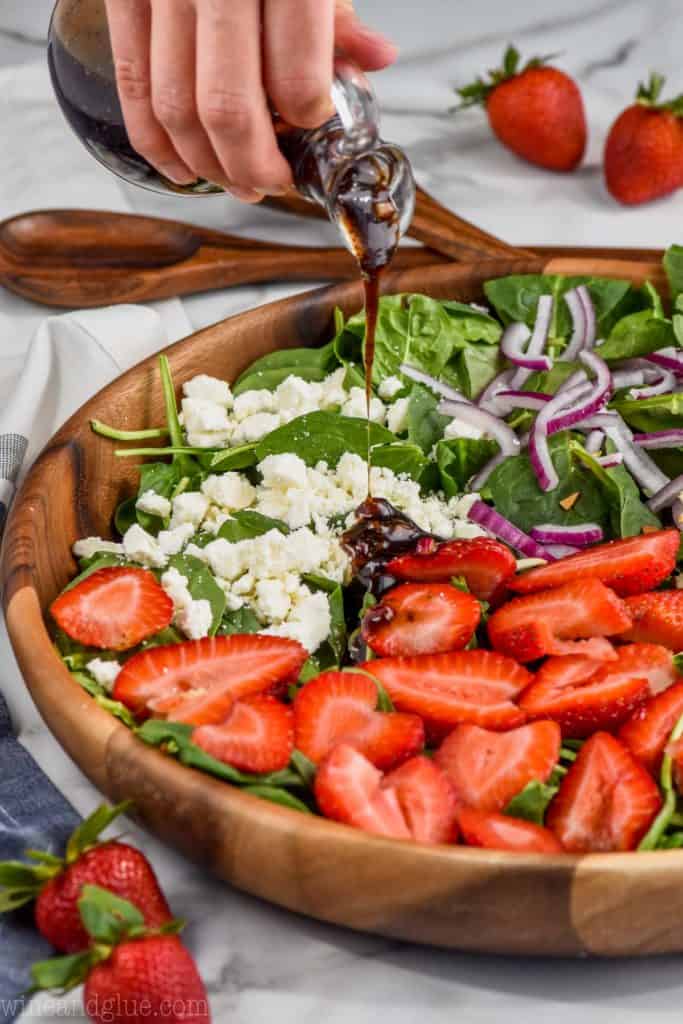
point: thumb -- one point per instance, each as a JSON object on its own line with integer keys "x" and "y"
{"x": 369, "y": 49}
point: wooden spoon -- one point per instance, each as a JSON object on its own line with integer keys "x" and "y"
{"x": 79, "y": 258}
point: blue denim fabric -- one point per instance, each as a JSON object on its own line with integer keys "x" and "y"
{"x": 33, "y": 814}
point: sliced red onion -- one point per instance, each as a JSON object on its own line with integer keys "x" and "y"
{"x": 578, "y": 315}
{"x": 594, "y": 441}
{"x": 660, "y": 439}
{"x": 669, "y": 358}
{"x": 512, "y": 345}
{"x": 506, "y": 531}
{"x": 578, "y": 377}
{"x": 610, "y": 460}
{"x": 639, "y": 464}
{"x": 578, "y": 536}
{"x": 598, "y": 395}
{"x": 599, "y": 421}
{"x": 666, "y": 383}
{"x": 539, "y": 338}
{"x": 623, "y": 378}
{"x": 485, "y": 421}
{"x": 591, "y": 320}
{"x": 488, "y": 399}
{"x": 561, "y": 550}
{"x": 677, "y": 513}
{"x": 667, "y": 495}
{"x": 431, "y": 382}
{"x": 524, "y": 399}
{"x": 539, "y": 453}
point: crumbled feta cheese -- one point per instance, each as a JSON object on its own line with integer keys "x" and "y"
{"x": 352, "y": 473}
{"x": 194, "y": 618}
{"x": 154, "y": 504}
{"x": 229, "y": 490}
{"x": 272, "y": 600}
{"x": 103, "y": 672}
{"x": 245, "y": 584}
{"x": 140, "y": 546}
{"x": 225, "y": 559}
{"x": 89, "y": 546}
{"x": 309, "y": 621}
{"x": 249, "y": 403}
{"x": 210, "y": 438}
{"x": 283, "y": 471}
{"x": 390, "y": 387}
{"x": 210, "y": 388}
{"x": 356, "y": 405}
{"x": 173, "y": 541}
{"x": 253, "y": 428}
{"x": 197, "y": 552}
{"x": 333, "y": 391}
{"x": 458, "y": 428}
{"x": 397, "y": 415}
{"x": 201, "y": 414}
{"x": 189, "y": 507}
{"x": 297, "y": 396}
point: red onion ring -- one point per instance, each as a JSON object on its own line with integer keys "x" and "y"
{"x": 580, "y": 536}
{"x": 506, "y": 531}
{"x": 487, "y": 422}
{"x": 667, "y": 495}
{"x": 512, "y": 345}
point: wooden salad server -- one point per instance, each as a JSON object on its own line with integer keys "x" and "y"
{"x": 81, "y": 258}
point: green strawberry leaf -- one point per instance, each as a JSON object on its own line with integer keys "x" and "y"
{"x": 108, "y": 918}
{"x": 62, "y": 973}
{"x": 88, "y": 832}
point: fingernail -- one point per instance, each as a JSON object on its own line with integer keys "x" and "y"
{"x": 245, "y": 195}
{"x": 275, "y": 190}
{"x": 178, "y": 174}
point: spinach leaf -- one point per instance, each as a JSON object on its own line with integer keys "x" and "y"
{"x": 516, "y": 495}
{"x": 548, "y": 381}
{"x": 323, "y": 436}
{"x": 670, "y": 460}
{"x": 102, "y": 698}
{"x": 532, "y": 802}
{"x": 161, "y": 477}
{"x": 473, "y": 324}
{"x": 279, "y": 796}
{"x": 425, "y": 424}
{"x": 627, "y": 513}
{"x": 126, "y": 515}
{"x": 241, "y": 457}
{"x": 662, "y": 412}
{"x": 401, "y": 457}
{"x": 335, "y": 645}
{"x": 202, "y": 585}
{"x": 184, "y": 463}
{"x": 241, "y": 621}
{"x": 247, "y": 524}
{"x": 476, "y": 366}
{"x": 673, "y": 265}
{"x": 637, "y": 335}
{"x": 268, "y": 380}
{"x": 459, "y": 459}
{"x": 101, "y": 560}
{"x": 294, "y": 360}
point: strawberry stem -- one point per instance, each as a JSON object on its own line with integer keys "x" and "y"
{"x": 649, "y": 93}
{"x": 478, "y": 92}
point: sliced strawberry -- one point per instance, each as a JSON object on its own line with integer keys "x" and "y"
{"x": 197, "y": 681}
{"x": 657, "y": 619}
{"x": 415, "y": 801}
{"x": 485, "y": 564}
{"x": 583, "y": 695}
{"x": 113, "y": 608}
{"x": 502, "y": 832}
{"x": 349, "y": 789}
{"x": 427, "y": 799}
{"x": 447, "y": 689}
{"x": 488, "y": 768}
{"x": 647, "y": 730}
{"x": 421, "y": 618}
{"x": 257, "y": 736}
{"x": 339, "y": 707}
{"x": 647, "y": 661}
{"x": 559, "y": 621}
{"x": 629, "y": 566}
{"x": 607, "y": 800}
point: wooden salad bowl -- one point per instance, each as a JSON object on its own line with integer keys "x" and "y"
{"x": 617, "y": 904}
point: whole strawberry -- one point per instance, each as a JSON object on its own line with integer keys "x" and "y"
{"x": 55, "y": 883}
{"x": 535, "y": 110}
{"x": 644, "y": 149}
{"x": 132, "y": 973}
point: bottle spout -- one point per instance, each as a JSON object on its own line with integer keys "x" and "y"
{"x": 356, "y": 106}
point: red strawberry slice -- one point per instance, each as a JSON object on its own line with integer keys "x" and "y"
{"x": 657, "y": 619}
{"x": 647, "y": 730}
{"x": 485, "y": 564}
{"x": 197, "y": 681}
{"x": 113, "y": 608}
{"x": 421, "y": 618}
{"x": 257, "y": 736}
{"x": 488, "y": 768}
{"x": 415, "y": 801}
{"x": 607, "y": 800}
{"x": 560, "y": 621}
{"x": 583, "y": 695}
{"x": 447, "y": 689}
{"x": 502, "y": 832}
{"x": 648, "y": 661}
{"x": 629, "y": 566}
{"x": 339, "y": 707}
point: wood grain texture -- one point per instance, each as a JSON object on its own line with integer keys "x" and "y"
{"x": 84, "y": 258}
{"x": 609, "y": 904}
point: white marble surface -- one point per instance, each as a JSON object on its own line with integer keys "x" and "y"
{"x": 261, "y": 964}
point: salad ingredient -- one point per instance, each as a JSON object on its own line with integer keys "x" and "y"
{"x": 570, "y": 619}
{"x": 667, "y": 495}
{"x": 535, "y": 110}
{"x": 495, "y": 831}
{"x": 582, "y": 310}
{"x": 257, "y": 735}
{"x": 657, "y": 619}
{"x": 113, "y": 608}
{"x": 583, "y": 695}
{"x": 489, "y": 768}
{"x": 506, "y": 531}
{"x": 642, "y": 157}
{"x": 647, "y": 731}
{"x": 462, "y": 686}
{"x": 660, "y": 439}
{"x": 630, "y": 566}
{"x": 342, "y": 707}
{"x": 198, "y": 680}
{"x": 414, "y": 801}
{"x": 512, "y": 345}
{"x": 485, "y": 565}
{"x": 55, "y": 883}
{"x": 606, "y": 801}
{"x": 421, "y": 618}
{"x": 575, "y": 536}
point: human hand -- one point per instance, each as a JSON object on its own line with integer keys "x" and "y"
{"x": 196, "y": 77}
